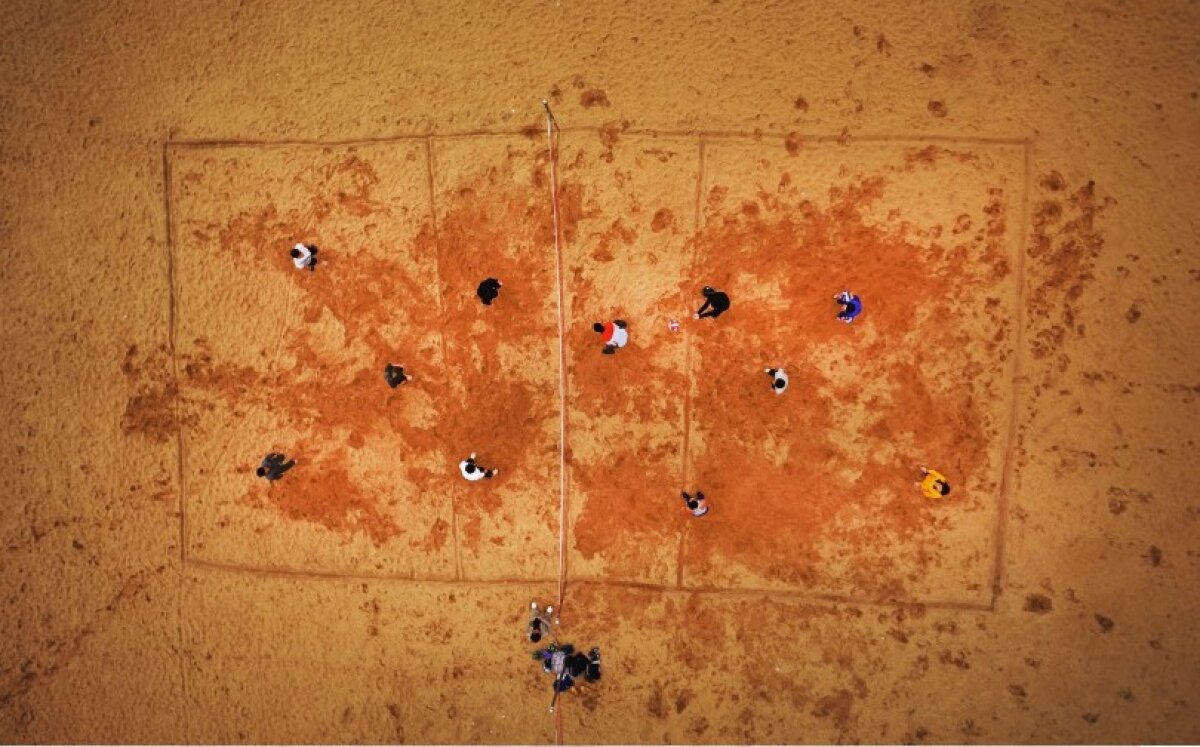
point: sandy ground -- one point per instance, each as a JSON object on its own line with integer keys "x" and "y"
{"x": 1008, "y": 186}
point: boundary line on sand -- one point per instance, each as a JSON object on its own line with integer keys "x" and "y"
{"x": 797, "y": 594}
{"x": 819, "y": 137}
{"x": 172, "y": 283}
{"x": 1008, "y": 468}
{"x": 1004, "y": 497}
{"x": 552, "y": 143}
{"x": 685, "y": 471}
{"x": 273, "y": 571}
{"x": 437, "y": 266}
{"x": 175, "y": 404}
{"x": 552, "y": 153}
{"x": 279, "y": 572}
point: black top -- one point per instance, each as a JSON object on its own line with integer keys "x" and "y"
{"x": 273, "y": 466}
{"x": 488, "y": 290}
{"x": 395, "y": 375}
{"x": 577, "y": 664}
{"x": 718, "y": 300}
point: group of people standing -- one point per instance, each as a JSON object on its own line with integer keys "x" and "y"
{"x": 563, "y": 661}
{"x": 614, "y": 335}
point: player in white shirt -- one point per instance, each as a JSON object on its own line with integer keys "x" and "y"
{"x": 697, "y": 503}
{"x": 615, "y": 334}
{"x": 305, "y": 255}
{"x": 779, "y": 379}
{"x": 472, "y": 471}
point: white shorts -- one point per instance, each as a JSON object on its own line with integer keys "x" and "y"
{"x": 472, "y": 474}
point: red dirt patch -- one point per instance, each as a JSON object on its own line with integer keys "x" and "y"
{"x": 663, "y": 219}
{"x": 802, "y": 249}
{"x": 593, "y": 97}
{"x": 326, "y": 494}
{"x": 340, "y": 404}
{"x": 793, "y": 143}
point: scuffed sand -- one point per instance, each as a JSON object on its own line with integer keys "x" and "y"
{"x": 1008, "y": 186}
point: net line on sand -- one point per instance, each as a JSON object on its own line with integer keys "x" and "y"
{"x": 552, "y": 152}
{"x": 551, "y": 144}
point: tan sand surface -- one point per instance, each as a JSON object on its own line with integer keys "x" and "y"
{"x": 1009, "y": 187}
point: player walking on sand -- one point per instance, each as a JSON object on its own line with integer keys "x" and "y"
{"x": 851, "y": 306}
{"x": 274, "y": 465}
{"x": 933, "y": 484}
{"x": 779, "y": 379}
{"x": 394, "y": 375}
{"x": 305, "y": 255}
{"x": 697, "y": 504}
{"x": 539, "y": 622}
{"x": 488, "y": 290}
{"x": 566, "y": 664}
{"x": 583, "y": 665}
{"x": 715, "y": 303}
{"x": 593, "y": 672}
{"x": 472, "y": 471}
{"x": 615, "y": 335}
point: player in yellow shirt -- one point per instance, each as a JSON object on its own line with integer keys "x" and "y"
{"x": 933, "y": 484}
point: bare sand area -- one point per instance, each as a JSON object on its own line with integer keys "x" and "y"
{"x": 1007, "y": 186}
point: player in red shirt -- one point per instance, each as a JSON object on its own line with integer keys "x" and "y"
{"x": 615, "y": 334}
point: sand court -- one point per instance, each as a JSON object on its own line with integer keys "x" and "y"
{"x": 1005, "y": 186}
{"x": 274, "y": 358}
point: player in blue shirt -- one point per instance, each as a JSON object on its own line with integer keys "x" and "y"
{"x": 851, "y": 306}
